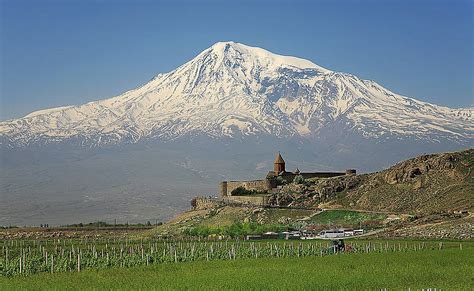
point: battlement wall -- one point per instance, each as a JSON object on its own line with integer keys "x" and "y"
{"x": 290, "y": 176}
{"x": 209, "y": 203}
{"x": 322, "y": 174}
{"x": 258, "y": 185}
{"x": 253, "y": 200}
{"x": 226, "y": 187}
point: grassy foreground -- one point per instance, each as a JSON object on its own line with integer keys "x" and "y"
{"x": 446, "y": 269}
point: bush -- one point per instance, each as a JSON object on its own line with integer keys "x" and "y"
{"x": 240, "y": 191}
{"x": 299, "y": 180}
{"x": 280, "y": 181}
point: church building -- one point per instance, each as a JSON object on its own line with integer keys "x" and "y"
{"x": 274, "y": 177}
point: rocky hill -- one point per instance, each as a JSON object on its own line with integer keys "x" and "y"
{"x": 431, "y": 196}
{"x": 424, "y": 185}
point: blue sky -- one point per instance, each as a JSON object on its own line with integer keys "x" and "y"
{"x": 67, "y": 52}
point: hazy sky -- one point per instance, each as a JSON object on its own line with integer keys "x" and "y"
{"x": 66, "y": 52}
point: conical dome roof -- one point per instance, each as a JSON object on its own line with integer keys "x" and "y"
{"x": 279, "y": 159}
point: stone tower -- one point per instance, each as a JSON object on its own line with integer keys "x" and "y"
{"x": 279, "y": 164}
{"x": 223, "y": 189}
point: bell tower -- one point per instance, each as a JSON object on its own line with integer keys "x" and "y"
{"x": 278, "y": 164}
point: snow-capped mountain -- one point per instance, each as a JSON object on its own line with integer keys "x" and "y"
{"x": 221, "y": 116}
{"x": 233, "y": 90}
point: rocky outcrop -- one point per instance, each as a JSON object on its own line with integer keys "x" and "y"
{"x": 408, "y": 170}
{"x": 424, "y": 185}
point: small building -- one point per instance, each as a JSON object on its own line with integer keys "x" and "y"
{"x": 253, "y": 237}
{"x": 271, "y": 235}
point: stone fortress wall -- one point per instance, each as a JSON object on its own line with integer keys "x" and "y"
{"x": 249, "y": 199}
{"x": 206, "y": 203}
{"x": 289, "y": 177}
{"x": 264, "y": 188}
{"x": 266, "y": 185}
{"x": 227, "y": 187}
{"x": 269, "y": 184}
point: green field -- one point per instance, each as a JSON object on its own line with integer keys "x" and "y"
{"x": 28, "y": 257}
{"x": 447, "y": 269}
{"x": 346, "y": 217}
{"x": 276, "y": 213}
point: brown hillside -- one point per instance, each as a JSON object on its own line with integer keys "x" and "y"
{"x": 426, "y": 184}
{"x": 430, "y": 186}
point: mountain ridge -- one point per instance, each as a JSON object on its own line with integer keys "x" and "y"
{"x": 234, "y": 90}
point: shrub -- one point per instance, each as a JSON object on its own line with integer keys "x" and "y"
{"x": 280, "y": 181}
{"x": 299, "y": 180}
{"x": 240, "y": 191}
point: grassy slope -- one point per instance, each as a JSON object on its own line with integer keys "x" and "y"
{"x": 447, "y": 269}
{"x": 273, "y": 215}
{"x": 342, "y": 217}
{"x": 225, "y": 216}
{"x": 229, "y": 215}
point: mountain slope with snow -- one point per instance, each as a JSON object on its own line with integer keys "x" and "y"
{"x": 231, "y": 90}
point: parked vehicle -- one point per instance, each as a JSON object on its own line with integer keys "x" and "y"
{"x": 332, "y": 233}
{"x": 341, "y": 232}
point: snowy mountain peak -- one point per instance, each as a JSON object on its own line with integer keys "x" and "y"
{"x": 233, "y": 90}
{"x": 256, "y": 55}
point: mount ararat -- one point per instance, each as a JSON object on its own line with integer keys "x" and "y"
{"x": 233, "y": 90}
{"x": 142, "y": 155}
